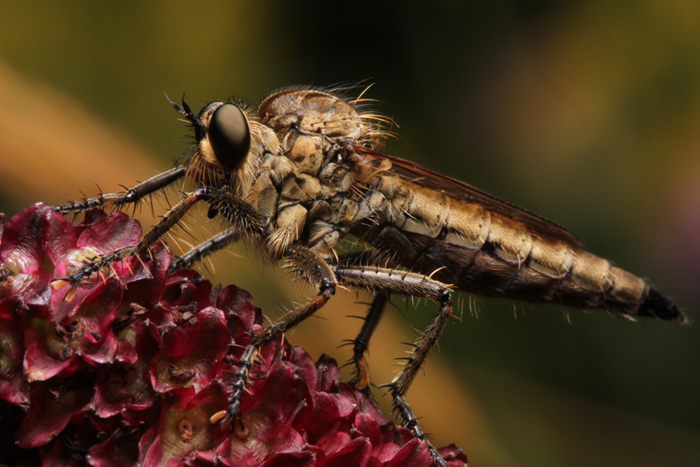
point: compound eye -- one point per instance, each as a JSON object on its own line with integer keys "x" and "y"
{"x": 229, "y": 135}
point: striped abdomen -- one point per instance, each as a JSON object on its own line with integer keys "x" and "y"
{"x": 488, "y": 254}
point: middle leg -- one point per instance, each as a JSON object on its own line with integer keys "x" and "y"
{"x": 360, "y": 345}
{"x": 310, "y": 266}
{"x": 206, "y": 248}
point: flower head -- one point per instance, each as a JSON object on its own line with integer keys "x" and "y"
{"x": 133, "y": 367}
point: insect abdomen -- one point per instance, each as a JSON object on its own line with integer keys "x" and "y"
{"x": 589, "y": 282}
{"x": 487, "y": 254}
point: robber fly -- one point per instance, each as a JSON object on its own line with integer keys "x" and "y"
{"x": 304, "y": 170}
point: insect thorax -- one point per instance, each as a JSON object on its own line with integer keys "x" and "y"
{"x": 308, "y": 190}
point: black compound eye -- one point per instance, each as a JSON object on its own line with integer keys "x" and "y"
{"x": 229, "y": 135}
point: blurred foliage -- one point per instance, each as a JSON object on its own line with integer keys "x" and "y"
{"x": 585, "y": 112}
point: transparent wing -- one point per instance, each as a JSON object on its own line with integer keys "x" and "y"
{"x": 436, "y": 180}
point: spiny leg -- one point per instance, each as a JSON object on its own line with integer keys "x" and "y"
{"x": 407, "y": 374}
{"x": 237, "y": 212}
{"x": 131, "y": 196}
{"x": 408, "y": 284}
{"x": 360, "y": 345}
{"x": 314, "y": 269}
{"x": 206, "y": 248}
{"x": 361, "y": 342}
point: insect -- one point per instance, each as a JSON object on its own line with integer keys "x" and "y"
{"x": 304, "y": 171}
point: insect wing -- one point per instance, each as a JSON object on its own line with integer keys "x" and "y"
{"x": 436, "y": 180}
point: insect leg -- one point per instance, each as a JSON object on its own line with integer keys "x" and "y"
{"x": 409, "y": 284}
{"x": 132, "y": 195}
{"x": 201, "y": 251}
{"x": 371, "y": 320}
{"x": 237, "y": 212}
{"x": 314, "y": 269}
{"x": 361, "y": 342}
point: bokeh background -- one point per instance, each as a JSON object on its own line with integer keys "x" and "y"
{"x": 585, "y": 112}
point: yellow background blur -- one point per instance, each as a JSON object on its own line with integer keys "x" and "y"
{"x": 585, "y": 112}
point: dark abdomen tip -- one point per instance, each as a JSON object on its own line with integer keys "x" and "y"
{"x": 660, "y": 307}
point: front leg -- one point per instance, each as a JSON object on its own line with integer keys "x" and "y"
{"x": 131, "y": 196}
{"x": 238, "y": 213}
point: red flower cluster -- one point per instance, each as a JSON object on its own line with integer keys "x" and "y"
{"x": 131, "y": 368}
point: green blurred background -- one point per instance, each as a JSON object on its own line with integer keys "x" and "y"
{"x": 585, "y": 112}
